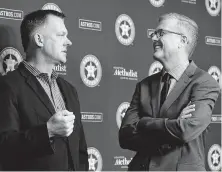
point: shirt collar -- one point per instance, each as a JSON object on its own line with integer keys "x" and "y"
{"x": 177, "y": 71}
{"x": 36, "y": 72}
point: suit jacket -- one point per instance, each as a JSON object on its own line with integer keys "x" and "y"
{"x": 163, "y": 140}
{"x": 25, "y": 109}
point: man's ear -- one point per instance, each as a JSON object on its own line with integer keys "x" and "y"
{"x": 184, "y": 39}
{"x": 38, "y": 38}
{"x": 183, "y": 42}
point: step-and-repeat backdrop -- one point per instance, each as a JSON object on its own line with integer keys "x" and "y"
{"x": 111, "y": 52}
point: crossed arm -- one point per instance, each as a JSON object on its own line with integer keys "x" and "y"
{"x": 145, "y": 133}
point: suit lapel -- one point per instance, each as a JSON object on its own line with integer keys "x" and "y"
{"x": 37, "y": 88}
{"x": 178, "y": 88}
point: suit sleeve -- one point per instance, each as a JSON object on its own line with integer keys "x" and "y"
{"x": 83, "y": 154}
{"x": 14, "y": 141}
{"x": 129, "y": 137}
{"x": 204, "y": 96}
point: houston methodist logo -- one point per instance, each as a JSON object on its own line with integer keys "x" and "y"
{"x": 95, "y": 159}
{"x": 51, "y": 6}
{"x": 120, "y": 113}
{"x": 9, "y": 60}
{"x": 214, "y": 158}
{"x": 125, "y": 29}
{"x": 122, "y": 161}
{"x": 213, "y": 7}
{"x": 125, "y": 74}
{"x": 155, "y": 67}
{"x": 157, "y": 3}
{"x": 90, "y": 70}
{"x": 60, "y": 69}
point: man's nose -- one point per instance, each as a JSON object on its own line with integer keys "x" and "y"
{"x": 68, "y": 42}
{"x": 154, "y": 38}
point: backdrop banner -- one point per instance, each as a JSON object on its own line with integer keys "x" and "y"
{"x": 110, "y": 53}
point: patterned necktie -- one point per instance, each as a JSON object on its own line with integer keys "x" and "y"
{"x": 165, "y": 89}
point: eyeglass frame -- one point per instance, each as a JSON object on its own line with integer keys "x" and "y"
{"x": 162, "y": 31}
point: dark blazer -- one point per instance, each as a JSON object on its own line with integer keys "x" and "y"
{"x": 24, "y": 110}
{"x": 163, "y": 141}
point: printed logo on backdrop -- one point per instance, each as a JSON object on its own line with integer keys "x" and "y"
{"x": 125, "y": 29}
{"x": 11, "y": 14}
{"x": 216, "y": 118}
{"x": 214, "y": 71}
{"x": 155, "y": 67}
{"x": 157, "y": 3}
{"x": 90, "y": 70}
{"x": 122, "y": 161}
{"x": 92, "y": 116}
{"x": 9, "y": 60}
{"x": 95, "y": 159}
{"x": 213, "y": 40}
{"x": 51, "y": 6}
{"x": 120, "y": 113}
{"x": 214, "y": 158}
{"x": 125, "y": 74}
{"x": 213, "y": 7}
{"x": 189, "y": 1}
{"x": 90, "y": 25}
{"x": 60, "y": 69}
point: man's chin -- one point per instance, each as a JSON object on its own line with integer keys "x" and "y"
{"x": 63, "y": 60}
{"x": 157, "y": 55}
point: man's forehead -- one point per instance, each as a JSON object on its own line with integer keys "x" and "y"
{"x": 167, "y": 24}
{"x": 55, "y": 23}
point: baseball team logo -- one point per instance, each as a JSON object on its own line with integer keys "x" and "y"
{"x": 120, "y": 113}
{"x": 214, "y": 158}
{"x": 9, "y": 60}
{"x": 155, "y": 67}
{"x": 213, "y": 7}
{"x": 125, "y": 29}
{"x": 157, "y": 3}
{"x": 51, "y": 6}
{"x": 215, "y": 73}
{"x": 90, "y": 70}
{"x": 95, "y": 159}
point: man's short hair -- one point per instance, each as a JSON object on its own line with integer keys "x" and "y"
{"x": 187, "y": 24}
{"x": 32, "y": 21}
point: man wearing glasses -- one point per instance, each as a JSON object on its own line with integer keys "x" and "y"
{"x": 170, "y": 111}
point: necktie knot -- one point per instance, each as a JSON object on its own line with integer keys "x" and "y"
{"x": 166, "y": 77}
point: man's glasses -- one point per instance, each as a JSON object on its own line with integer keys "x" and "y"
{"x": 160, "y": 32}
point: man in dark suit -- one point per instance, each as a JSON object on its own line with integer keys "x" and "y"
{"x": 170, "y": 111}
{"x": 40, "y": 120}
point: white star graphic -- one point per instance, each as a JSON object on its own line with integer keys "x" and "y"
{"x": 92, "y": 163}
{"x": 91, "y": 70}
{"x": 215, "y": 76}
{"x": 215, "y": 156}
{"x": 213, "y": 4}
{"x": 125, "y": 29}
{"x": 10, "y": 63}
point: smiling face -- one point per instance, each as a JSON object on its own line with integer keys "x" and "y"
{"x": 55, "y": 41}
{"x": 166, "y": 46}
